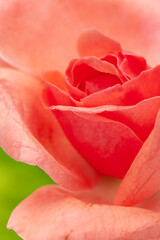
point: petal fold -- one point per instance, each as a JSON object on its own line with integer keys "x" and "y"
{"x": 129, "y": 93}
{"x": 31, "y": 134}
{"x": 143, "y": 178}
{"x": 140, "y": 117}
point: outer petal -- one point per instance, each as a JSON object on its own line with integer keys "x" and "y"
{"x": 143, "y": 178}
{"x": 152, "y": 203}
{"x": 55, "y": 91}
{"x": 4, "y": 64}
{"x": 41, "y": 37}
{"x": 107, "y": 145}
{"x": 93, "y": 43}
{"x": 50, "y": 213}
{"x": 56, "y": 78}
{"x": 31, "y": 134}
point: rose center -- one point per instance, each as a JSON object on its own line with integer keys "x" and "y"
{"x": 90, "y": 80}
{"x": 97, "y": 83}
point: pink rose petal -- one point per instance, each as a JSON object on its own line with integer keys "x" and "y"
{"x": 41, "y": 37}
{"x": 55, "y": 91}
{"x": 51, "y": 213}
{"x": 108, "y": 146}
{"x": 4, "y": 64}
{"x": 130, "y": 93}
{"x": 140, "y": 117}
{"x": 31, "y": 134}
{"x": 143, "y": 178}
{"x": 84, "y": 70}
{"x": 94, "y": 43}
{"x": 152, "y": 203}
{"x": 132, "y": 65}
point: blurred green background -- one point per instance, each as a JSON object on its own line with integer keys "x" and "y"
{"x": 17, "y": 181}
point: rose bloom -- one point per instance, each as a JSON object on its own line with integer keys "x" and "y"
{"x": 94, "y": 126}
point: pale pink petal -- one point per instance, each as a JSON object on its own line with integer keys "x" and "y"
{"x": 143, "y": 178}
{"x": 93, "y": 43}
{"x": 102, "y": 193}
{"x": 152, "y": 203}
{"x": 56, "y": 78}
{"x": 43, "y": 37}
{"x": 31, "y": 134}
{"x": 51, "y": 213}
{"x": 4, "y": 64}
{"x": 52, "y": 95}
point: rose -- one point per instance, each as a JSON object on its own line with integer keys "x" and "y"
{"x": 106, "y": 135}
{"x": 88, "y": 76}
{"x": 107, "y": 107}
{"x": 38, "y": 139}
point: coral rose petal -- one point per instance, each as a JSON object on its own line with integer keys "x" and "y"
{"x": 93, "y": 43}
{"x": 143, "y": 178}
{"x": 86, "y": 67}
{"x": 130, "y": 93}
{"x": 132, "y": 65}
{"x": 152, "y": 203}
{"x": 55, "y": 91}
{"x": 4, "y": 64}
{"x": 56, "y": 78}
{"x": 52, "y": 95}
{"x": 42, "y": 37}
{"x": 31, "y": 134}
{"x": 107, "y": 145}
{"x": 51, "y": 213}
{"x": 83, "y": 74}
{"x": 140, "y": 117}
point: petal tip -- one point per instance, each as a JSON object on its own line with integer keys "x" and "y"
{"x": 93, "y": 43}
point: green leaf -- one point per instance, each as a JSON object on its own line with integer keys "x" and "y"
{"x": 17, "y": 181}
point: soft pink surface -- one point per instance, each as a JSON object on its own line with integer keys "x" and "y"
{"x": 4, "y": 64}
{"x": 31, "y": 134}
{"x": 93, "y": 43}
{"x": 51, "y": 213}
{"x": 143, "y": 178}
{"x": 43, "y": 37}
{"x": 152, "y": 203}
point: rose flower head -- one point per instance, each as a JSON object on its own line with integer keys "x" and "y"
{"x": 94, "y": 127}
{"x": 101, "y": 105}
